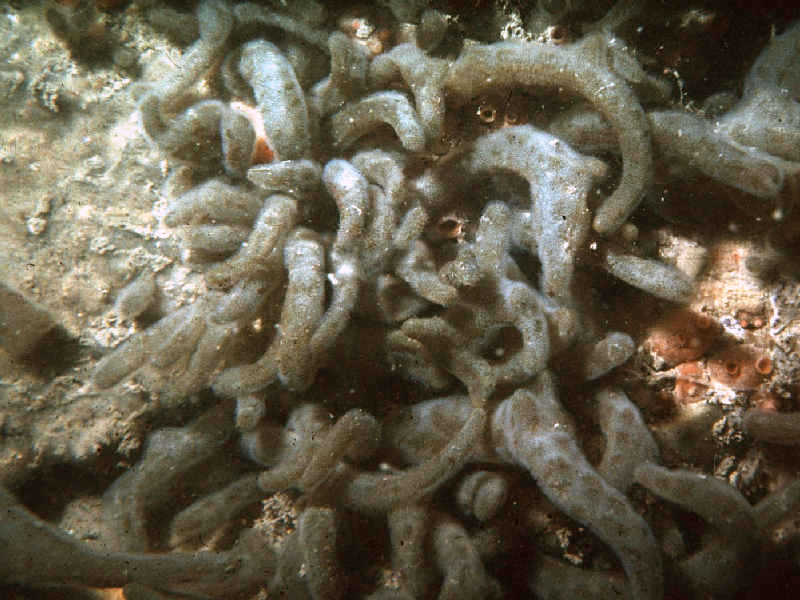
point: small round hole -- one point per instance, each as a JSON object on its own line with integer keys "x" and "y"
{"x": 764, "y": 365}
{"x": 732, "y": 368}
{"x": 487, "y": 113}
{"x": 503, "y": 344}
{"x": 558, "y": 34}
{"x": 449, "y": 228}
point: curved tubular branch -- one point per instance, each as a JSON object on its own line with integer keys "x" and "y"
{"x": 50, "y": 556}
{"x": 376, "y": 492}
{"x": 482, "y": 69}
{"x": 391, "y": 108}
{"x": 733, "y": 543}
{"x": 538, "y": 434}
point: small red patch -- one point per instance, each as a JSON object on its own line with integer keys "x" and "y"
{"x": 262, "y": 153}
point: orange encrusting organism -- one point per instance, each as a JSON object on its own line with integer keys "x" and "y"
{"x": 740, "y": 368}
{"x": 686, "y": 391}
{"x": 682, "y": 335}
{"x": 262, "y": 153}
{"x": 262, "y": 149}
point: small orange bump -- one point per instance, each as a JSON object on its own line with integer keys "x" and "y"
{"x": 688, "y": 392}
{"x": 739, "y": 367}
{"x": 262, "y": 153}
{"x": 690, "y": 370}
{"x": 487, "y": 113}
{"x": 732, "y": 368}
{"x": 764, "y": 365}
{"x": 681, "y": 336}
{"x": 262, "y": 150}
{"x": 749, "y": 321}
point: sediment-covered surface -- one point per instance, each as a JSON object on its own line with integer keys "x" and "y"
{"x": 399, "y": 300}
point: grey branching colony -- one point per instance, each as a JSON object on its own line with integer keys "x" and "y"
{"x": 372, "y": 243}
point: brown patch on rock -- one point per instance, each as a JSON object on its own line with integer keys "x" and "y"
{"x": 740, "y": 367}
{"x": 683, "y": 335}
